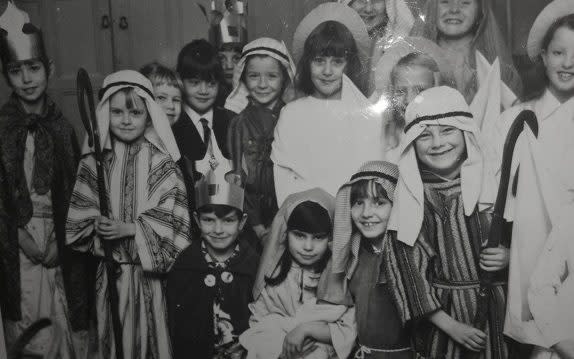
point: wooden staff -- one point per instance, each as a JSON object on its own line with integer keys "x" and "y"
{"x": 499, "y": 226}
{"x": 85, "y": 93}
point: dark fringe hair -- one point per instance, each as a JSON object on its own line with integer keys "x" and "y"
{"x": 284, "y": 266}
{"x": 199, "y": 60}
{"x": 220, "y": 210}
{"x": 330, "y": 38}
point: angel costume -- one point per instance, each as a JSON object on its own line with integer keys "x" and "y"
{"x": 145, "y": 187}
{"x": 320, "y": 143}
{"x": 472, "y": 65}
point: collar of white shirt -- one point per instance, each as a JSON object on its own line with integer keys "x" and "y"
{"x": 195, "y": 118}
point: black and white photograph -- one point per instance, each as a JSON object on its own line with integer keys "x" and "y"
{"x": 286, "y": 179}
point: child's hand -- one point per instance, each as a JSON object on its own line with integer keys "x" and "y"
{"x": 294, "y": 344}
{"x": 29, "y": 247}
{"x": 51, "y": 254}
{"x": 110, "y": 229}
{"x": 467, "y": 336}
{"x": 494, "y": 259}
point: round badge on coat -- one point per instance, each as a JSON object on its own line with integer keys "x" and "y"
{"x": 209, "y": 280}
{"x": 226, "y": 277}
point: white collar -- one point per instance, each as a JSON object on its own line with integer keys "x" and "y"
{"x": 547, "y": 105}
{"x": 195, "y": 117}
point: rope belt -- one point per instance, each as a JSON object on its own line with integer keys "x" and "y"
{"x": 364, "y": 350}
{"x": 473, "y": 284}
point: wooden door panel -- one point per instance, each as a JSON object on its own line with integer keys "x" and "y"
{"x": 74, "y": 38}
{"x": 146, "y": 37}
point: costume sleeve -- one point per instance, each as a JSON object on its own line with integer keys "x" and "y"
{"x": 287, "y": 182}
{"x": 551, "y": 291}
{"x": 344, "y": 333}
{"x": 163, "y": 231}
{"x": 84, "y": 209}
{"x": 407, "y": 268}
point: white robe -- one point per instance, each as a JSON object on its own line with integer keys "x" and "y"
{"x": 322, "y": 143}
{"x": 551, "y": 292}
{"x": 545, "y": 187}
{"x": 42, "y": 288}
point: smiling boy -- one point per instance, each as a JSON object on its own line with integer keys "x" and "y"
{"x": 209, "y": 287}
{"x": 38, "y": 160}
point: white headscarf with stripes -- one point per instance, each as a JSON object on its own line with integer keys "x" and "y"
{"x": 159, "y": 133}
{"x": 443, "y": 106}
{"x": 264, "y": 46}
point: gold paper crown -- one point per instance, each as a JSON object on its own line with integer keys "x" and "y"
{"x": 21, "y": 44}
{"x": 228, "y": 22}
{"x": 213, "y": 189}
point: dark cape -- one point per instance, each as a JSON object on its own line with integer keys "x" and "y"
{"x": 190, "y": 299}
{"x": 56, "y": 159}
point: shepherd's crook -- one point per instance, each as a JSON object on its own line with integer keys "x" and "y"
{"x": 85, "y": 93}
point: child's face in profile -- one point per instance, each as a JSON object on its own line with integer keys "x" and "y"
{"x": 327, "y": 76}
{"x": 456, "y": 18}
{"x": 169, "y": 98}
{"x": 128, "y": 123}
{"x": 264, "y": 79}
{"x": 307, "y": 249}
{"x": 220, "y": 233}
{"x": 228, "y": 60}
{"x": 441, "y": 149}
{"x": 370, "y": 213}
{"x": 28, "y": 79}
{"x": 200, "y": 94}
{"x": 408, "y": 82}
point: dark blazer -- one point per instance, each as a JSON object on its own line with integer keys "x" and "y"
{"x": 189, "y": 140}
{"x": 192, "y": 147}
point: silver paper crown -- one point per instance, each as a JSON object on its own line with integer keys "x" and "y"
{"x": 214, "y": 189}
{"x": 228, "y": 22}
{"x": 21, "y": 44}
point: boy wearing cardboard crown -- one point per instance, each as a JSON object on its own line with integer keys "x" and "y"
{"x": 38, "y": 160}
{"x": 209, "y": 286}
{"x": 228, "y": 33}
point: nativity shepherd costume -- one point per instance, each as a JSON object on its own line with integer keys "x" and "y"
{"x": 357, "y": 276}
{"x": 145, "y": 187}
{"x": 251, "y": 133}
{"x": 38, "y": 160}
{"x": 435, "y": 261}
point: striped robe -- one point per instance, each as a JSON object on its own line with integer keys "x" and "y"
{"x": 441, "y": 271}
{"x": 145, "y": 187}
